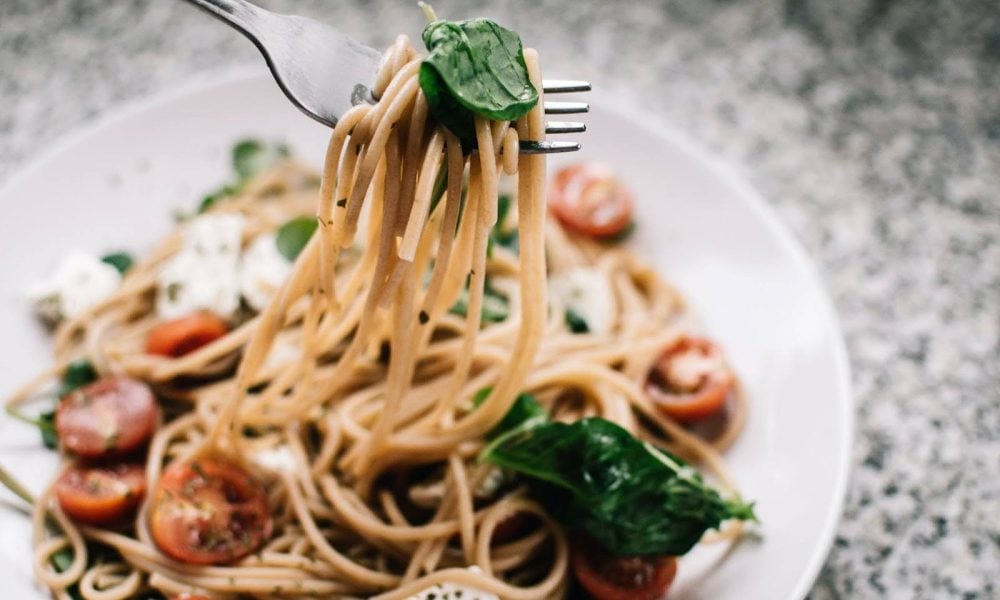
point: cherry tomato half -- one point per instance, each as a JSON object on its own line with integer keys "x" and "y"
{"x": 587, "y": 198}
{"x": 209, "y": 511}
{"x": 609, "y": 577}
{"x": 178, "y": 337}
{"x": 110, "y": 416}
{"x": 101, "y": 495}
{"x": 691, "y": 381}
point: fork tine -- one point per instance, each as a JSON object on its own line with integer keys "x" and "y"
{"x": 529, "y": 147}
{"x": 564, "y": 86}
{"x": 565, "y": 127}
{"x": 565, "y": 108}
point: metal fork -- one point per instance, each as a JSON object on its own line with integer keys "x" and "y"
{"x": 325, "y": 73}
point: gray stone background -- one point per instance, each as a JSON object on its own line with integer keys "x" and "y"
{"x": 872, "y": 126}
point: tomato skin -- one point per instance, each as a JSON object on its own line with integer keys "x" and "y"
{"x": 111, "y": 416}
{"x": 209, "y": 511}
{"x": 587, "y": 198}
{"x": 180, "y": 336}
{"x": 681, "y": 400}
{"x": 101, "y": 495}
{"x": 608, "y": 577}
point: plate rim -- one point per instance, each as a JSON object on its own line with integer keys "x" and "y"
{"x": 626, "y": 110}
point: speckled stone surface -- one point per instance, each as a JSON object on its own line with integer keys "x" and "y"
{"x": 872, "y": 126}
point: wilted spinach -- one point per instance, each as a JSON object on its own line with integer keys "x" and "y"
{"x": 496, "y": 306}
{"x": 293, "y": 236}
{"x": 122, "y": 261}
{"x": 249, "y": 157}
{"x": 474, "y": 67}
{"x": 594, "y": 476}
{"x": 525, "y": 409}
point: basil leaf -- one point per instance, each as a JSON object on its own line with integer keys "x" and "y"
{"x": 474, "y": 67}
{"x": 252, "y": 156}
{"x": 122, "y": 261}
{"x": 593, "y": 476}
{"x": 77, "y": 374}
{"x": 293, "y": 236}
{"x": 575, "y": 322}
{"x": 524, "y": 410}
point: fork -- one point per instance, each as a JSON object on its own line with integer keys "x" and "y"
{"x": 325, "y": 73}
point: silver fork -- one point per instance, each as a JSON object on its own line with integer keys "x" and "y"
{"x": 325, "y": 73}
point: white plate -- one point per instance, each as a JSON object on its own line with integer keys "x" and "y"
{"x": 114, "y": 186}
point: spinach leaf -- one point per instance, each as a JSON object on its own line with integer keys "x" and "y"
{"x": 45, "y": 422}
{"x": 525, "y": 409}
{"x": 210, "y": 199}
{"x": 249, "y": 157}
{"x": 122, "y": 261}
{"x": 501, "y": 235}
{"x": 78, "y": 373}
{"x": 252, "y": 156}
{"x": 474, "y": 67}
{"x": 496, "y": 306}
{"x": 575, "y": 322}
{"x": 293, "y": 236}
{"x": 634, "y": 499}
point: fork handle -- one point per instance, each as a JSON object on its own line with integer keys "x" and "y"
{"x": 239, "y": 14}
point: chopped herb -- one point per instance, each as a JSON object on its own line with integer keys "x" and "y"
{"x": 474, "y": 67}
{"x": 594, "y": 476}
{"x": 45, "y": 422}
{"x": 249, "y": 158}
{"x": 293, "y": 236}
{"x": 78, "y": 373}
{"x": 424, "y": 317}
{"x": 342, "y": 202}
{"x": 252, "y": 156}
{"x": 122, "y": 261}
{"x": 495, "y": 309}
{"x": 575, "y": 322}
{"x": 622, "y": 235}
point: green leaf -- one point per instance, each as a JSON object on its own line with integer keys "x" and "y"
{"x": 294, "y": 235}
{"x": 575, "y": 322}
{"x": 496, "y": 306}
{"x": 252, "y": 156}
{"x": 474, "y": 67}
{"x": 525, "y": 409}
{"x": 594, "y": 476}
{"x": 45, "y": 422}
{"x": 213, "y": 198}
{"x": 122, "y": 261}
{"x": 78, "y": 373}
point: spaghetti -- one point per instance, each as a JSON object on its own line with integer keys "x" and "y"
{"x": 371, "y": 412}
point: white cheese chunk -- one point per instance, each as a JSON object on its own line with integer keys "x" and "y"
{"x": 587, "y": 293}
{"x": 203, "y": 275}
{"x": 79, "y": 282}
{"x": 276, "y": 459}
{"x": 262, "y": 271}
{"x": 451, "y": 591}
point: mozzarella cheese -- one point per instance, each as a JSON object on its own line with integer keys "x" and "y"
{"x": 203, "y": 275}
{"x": 262, "y": 271}
{"x": 276, "y": 459}
{"x": 79, "y": 282}
{"x": 450, "y": 591}
{"x": 587, "y": 293}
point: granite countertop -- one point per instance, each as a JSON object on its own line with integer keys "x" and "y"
{"x": 872, "y": 126}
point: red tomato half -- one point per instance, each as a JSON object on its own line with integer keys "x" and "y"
{"x": 209, "y": 511}
{"x": 186, "y": 334}
{"x": 609, "y": 577}
{"x": 101, "y": 495}
{"x": 587, "y": 198}
{"x": 111, "y": 416}
{"x": 691, "y": 380}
